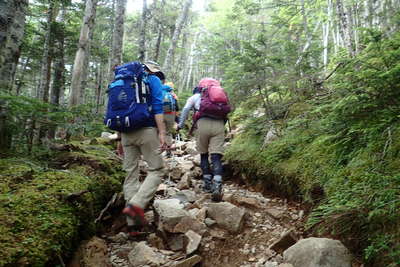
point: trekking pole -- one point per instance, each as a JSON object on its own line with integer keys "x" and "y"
{"x": 177, "y": 140}
{"x": 229, "y": 125}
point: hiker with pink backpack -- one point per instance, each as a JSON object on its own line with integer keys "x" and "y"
{"x": 211, "y": 105}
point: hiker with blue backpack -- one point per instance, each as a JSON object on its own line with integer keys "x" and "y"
{"x": 135, "y": 109}
{"x": 170, "y": 107}
{"x": 211, "y": 106}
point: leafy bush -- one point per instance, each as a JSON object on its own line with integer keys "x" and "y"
{"x": 345, "y": 149}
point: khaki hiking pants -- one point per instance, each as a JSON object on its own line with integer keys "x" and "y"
{"x": 169, "y": 120}
{"x": 210, "y": 136}
{"x": 143, "y": 142}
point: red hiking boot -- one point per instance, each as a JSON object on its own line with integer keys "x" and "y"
{"x": 136, "y": 214}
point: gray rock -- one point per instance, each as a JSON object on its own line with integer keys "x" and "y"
{"x": 190, "y": 223}
{"x": 318, "y": 252}
{"x": 209, "y": 222}
{"x": 143, "y": 254}
{"x": 185, "y": 196}
{"x": 272, "y": 264}
{"x": 195, "y": 173}
{"x": 193, "y": 242}
{"x": 188, "y": 262}
{"x": 185, "y": 182}
{"x": 275, "y": 213}
{"x": 287, "y": 240}
{"x": 170, "y": 212}
{"x": 176, "y": 242}
{"x": 119, "y": 238}
{"x": 175, "y": 173}
{"x": 186, "y": 166}
{"x": 227, "y": 215}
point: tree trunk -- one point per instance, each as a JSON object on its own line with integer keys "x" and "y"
{"x": 21, "y": 78}
{"x": 186, "y": 81}
{"x": 143, "y": 26}
{"x": 43, "y": 90}
{"x": 12, "y": 23}
{"x": 81, "y": 54}
{"x": 180, "y": 22}
{"x": 158, "y": 44}
{"x": 85, "y": 71}
{"x": 344, "y": 27}
{"x": 99, "y": 85}
{"x": 118, "y": 35}
{"x": 59, "y": 68}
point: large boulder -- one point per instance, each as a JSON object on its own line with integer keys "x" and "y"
{"x": 227, "y": 215}
{"x": 318, "y": 252}
{"x": 169, "y": 212}
{"x": 145, "y": 255}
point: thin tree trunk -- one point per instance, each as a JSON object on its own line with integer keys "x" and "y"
{"x": 118, "y": 34}
{"x": 186, "y": 82}
{"x": 21, "y": 78}
{"x": 59, "y": 68}
{"x": 169, "y": 59}
{"x": 85, "y": 71}
{"x": 45, "y": 73}
{"x": 143, "y": 26}
{"x": 81, "y": 54}
{"x": 99, "y": 85}
{"x": 158, "y": 44}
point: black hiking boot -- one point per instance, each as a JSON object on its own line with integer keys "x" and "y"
{"x": 207, "y": 186}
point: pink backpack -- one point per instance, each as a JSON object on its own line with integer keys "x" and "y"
{"x": 214, "y": 100}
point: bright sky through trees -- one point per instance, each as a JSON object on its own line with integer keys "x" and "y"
{"x": 136, "y": 5}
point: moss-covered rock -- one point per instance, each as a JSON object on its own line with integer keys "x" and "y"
{"x": 38, "y": 220}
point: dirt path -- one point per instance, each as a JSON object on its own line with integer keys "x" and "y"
{"x": 187, "y": 228}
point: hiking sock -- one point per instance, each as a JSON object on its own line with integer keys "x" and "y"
{"x": 204, "y": 164}
{"x": 216, "y": 164}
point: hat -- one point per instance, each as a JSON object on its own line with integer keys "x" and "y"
{"x": 152, "y": 66}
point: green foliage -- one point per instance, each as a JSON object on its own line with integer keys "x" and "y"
{"x": 342, "y": 153}
{"x": 26, "y": 114}
{"x": 37, "y": 221}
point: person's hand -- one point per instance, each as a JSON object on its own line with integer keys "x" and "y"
{"x": 120, "y": 150}
{"x": 177, "y": 128}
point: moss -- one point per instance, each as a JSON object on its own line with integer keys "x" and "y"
{"x": 37, "y": 221}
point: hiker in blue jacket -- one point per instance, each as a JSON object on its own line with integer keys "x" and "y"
{"x": 145, "y": 142}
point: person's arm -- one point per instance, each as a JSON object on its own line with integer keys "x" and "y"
{"x": 186, "y": 109}
{"x": 157, "y": 107}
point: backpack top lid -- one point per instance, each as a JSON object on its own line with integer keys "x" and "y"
{"x": 208, "y": 82}
{"x": 128, "y": 70}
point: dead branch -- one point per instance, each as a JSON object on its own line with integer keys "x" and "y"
{"x": 109, "y": 204}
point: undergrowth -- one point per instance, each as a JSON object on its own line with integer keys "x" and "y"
{"x": 346, "y": 147}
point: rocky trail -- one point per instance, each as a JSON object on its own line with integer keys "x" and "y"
{"x": 187, "y": 229}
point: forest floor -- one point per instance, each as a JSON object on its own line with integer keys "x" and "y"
{"x": 186, "y": 228}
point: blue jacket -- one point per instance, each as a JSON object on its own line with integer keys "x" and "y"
{"x": 156, "y": 90}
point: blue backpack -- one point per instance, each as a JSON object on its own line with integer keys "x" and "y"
{"x": 169, "y": 104}
{"x": 128, "y": 97}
